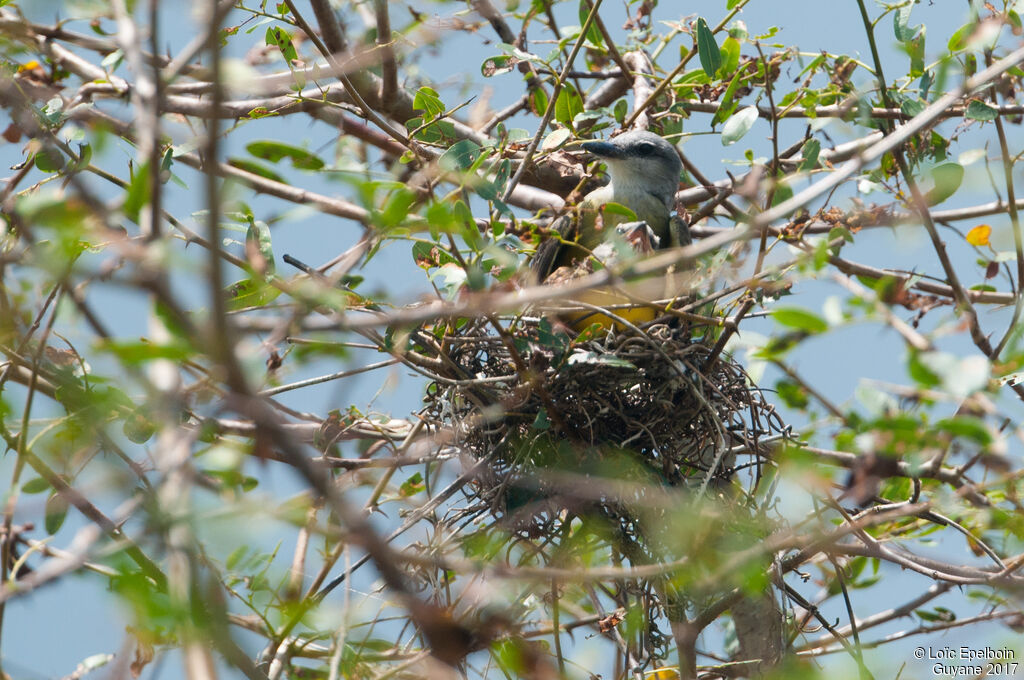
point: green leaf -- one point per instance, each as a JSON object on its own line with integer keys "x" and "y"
{"x": 429, "y": 134}
{"x": 792, "y": 394}
{"x": 727, "y": 102}
{"x": 439, "y": 220}
{"x": 1014, "y": 19}
{"x": 55, "y": 513}
{"x": 250, "y": 293}
{"x": 236, "y": 557}
{"x": 428, "y": 101}
{"x": 261, "y": 112}
{"x": 166, "y": 163}
{"x": 278, "y": 37}
{"x": 958, "y": 40}
{"x": 738, "y": 125}
{"x": 877, "y": 402}
{"x": 911, "y": 107}
{"x": 707, "y": 49}
{"x": 620, "y": 110}
{"x": 502, "y": 174}
{"x": 967, "y": 427}
{"x": 450, "y": 278}
{"x": 538, "y": 101}
{"x": 730, "y": 53}
{"x": 925, "y": 84}
{"x": 169, "y": 319}
{"x": 84, "y": 157}
{"x": 463, "y": 216}
{"x": 840, "y": 232}
{"x": 940, "y": 614}
{"x": 970, "y": 64}
{"x": 412, "y": 486}
{"x": 133, "y": 352}
{"x": 901, "y": 23}
{"x": 613, "y": 208}
{"x": 915, "y": 48}
{"x": 593, "y": 33}
{"x": 555, "y": 139}
{"x": 690, "y": 80}
{"x": 921, "y": 374}
{"x": 809, "y": 152}
{"x": 138, "y": 427}
{"x": 947, "y": 177}
{"x": 395, "y": 209}
{"x": 37, "y": 485}
{"x": 256, "y": 169}
{"x": 496, "y": 66}
{"x": 459, "y": 156}
{"x": 273, "y": 151}
{"x": 137, "y": 194}
{"x": 48, "y": 160}
{"x": 53, "y": 111}
{"x": 568, "y": 105}
{"x": 960, "y": 377}
{"x": 979, "y": 110}
{"x": 799, "y": 318}
{"x": 783, "y": 192}
{"x": 257, "y": 240}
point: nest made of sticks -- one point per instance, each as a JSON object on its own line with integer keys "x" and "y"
{"x": 543, "y": 409}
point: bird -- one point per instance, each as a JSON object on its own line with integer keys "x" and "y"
{"x": 644, "y": 174}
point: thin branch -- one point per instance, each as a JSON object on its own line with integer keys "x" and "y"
{"x": 388, "y": 67}
{"x": 846, "y": 110}
{"x": 550, "y": 110}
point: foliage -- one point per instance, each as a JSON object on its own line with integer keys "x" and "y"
{"x": 166, "y": 348}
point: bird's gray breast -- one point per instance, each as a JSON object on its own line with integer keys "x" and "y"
{"x": 645, "y": 205}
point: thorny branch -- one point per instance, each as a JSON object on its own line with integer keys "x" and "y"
{"x": 484, "y": 535}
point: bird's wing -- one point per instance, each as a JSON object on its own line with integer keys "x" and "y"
{"x": 548, "y": 252}
{"x": 680, "y": 231}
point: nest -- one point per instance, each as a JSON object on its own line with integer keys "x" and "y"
{"x": 659, "y": 407}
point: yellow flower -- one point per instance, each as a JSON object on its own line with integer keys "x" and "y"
{"x": 978, "y": 236}
{"x": 662, "y": 674}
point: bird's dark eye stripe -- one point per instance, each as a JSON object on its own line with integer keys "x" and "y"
{"x": 646, "y": 148}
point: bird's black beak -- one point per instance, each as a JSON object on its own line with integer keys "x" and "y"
{"x": 602, "y": 149}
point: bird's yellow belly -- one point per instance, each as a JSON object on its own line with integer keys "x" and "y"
{"x": 635, "y": 314}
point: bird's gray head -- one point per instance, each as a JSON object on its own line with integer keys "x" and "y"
{"x": 640, "y": 160}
